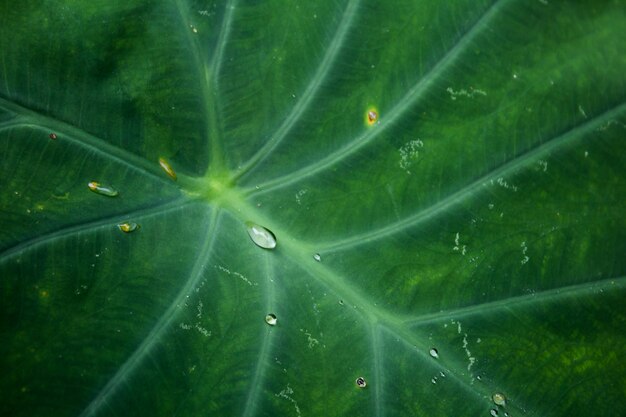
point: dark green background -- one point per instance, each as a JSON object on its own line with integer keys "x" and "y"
{"x": 483, "y": 215}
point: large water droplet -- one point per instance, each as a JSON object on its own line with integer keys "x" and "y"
{"x": 261, "y": 236}
{"x": 271, "y": 319}
{"x": 98, "y": 188}
{"x": 167, "y": 168}
{"x": 360, "y": 382}
{"x": 128, "y": 227}
{"x": 499, "y": 399}
{"x": 317, "y": 257}
{"x": 433, "y": 352}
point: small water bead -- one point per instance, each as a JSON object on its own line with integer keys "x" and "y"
{"x": 360, "y": 382}
{"x": 128, "y": 227}
{"x": 317, "y": 257}
{"x": 167, "y": 168}
{"x": 433, "y": 352}
{"x": 493, "y": 412}
{"x": 271, "y": 319}
{"x": 53, "y": 136}
{"x": 98, "y": 188}
{"x": 261, "y": 236}
{"x": 499, "y": 399}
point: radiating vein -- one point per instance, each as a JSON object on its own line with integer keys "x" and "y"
{"x": 162, "y": 324}
{"x": 372, "y": 313}
{"x": 416, "y": 343}
{"x": 11, "y": 123}
{"x": 208, "y": 73}
{"x": 257, "y": 382}
{"x": 75, "y": 229}
{"x": 30, "y": 118}
{"x": 212, "y": 79}
{"x": 378, "y": 382}
{"x": 480, "y": 184}
{"x": 555, "y": 294}
{"x": 309, "y": 93}
{"x": 408, "y": 101}
{"x": 215, "y": 66}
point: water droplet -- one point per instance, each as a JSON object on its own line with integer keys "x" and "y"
{"x": 98, "y": 188}
{"x": 493, "y": 412}
{"x": 499, "y": 399}
{"x": 261, "y": 236}
{"x": 340, "y": 302}
{"x": 317, "y": 257}
{"x": 271, "y": 319}
{"x": 53, "y": 136}
{"x": 128, "y": 227}
{"x": 434, "y": 380}
{"x": 360, "y": 382}
{"x": 433, "y": 352}
{"x": 167, "y": 168}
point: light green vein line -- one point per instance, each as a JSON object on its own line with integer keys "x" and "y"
{"x": 408, "y": 101}
{"x": 164, "y": 322}
{"x": 416, "y": 343}
{"x": 259, "y": 372}
{"x": 378, "y": 382}
{"x": 309, "y": 93}
{"x": 10, "y": 123}
{"x": 108, "y": 222}
{"x": 556, "y": 294}
{"x": 211, "y": 75}
{"x": 5, "y": 73}
{"x": 208, "y": 72}
{"x": 366, "y": 309}
{"x": 481, "y": 184}
{"x": 79, "y": 137}
{"x": 381, "y": 319}
{"x": 214, "y": 68}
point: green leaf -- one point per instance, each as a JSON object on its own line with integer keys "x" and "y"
{"x": 467, "y": 242}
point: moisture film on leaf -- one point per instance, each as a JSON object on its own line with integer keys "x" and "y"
{"x": 441, "y": 185}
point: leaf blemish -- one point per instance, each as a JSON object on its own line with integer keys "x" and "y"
{"x": 310, "y": 339}
{"x": 471, "y": 93}
{"x": 236, "y": 274}
{"x": 457, "y": 245}
{"x": 409, "y": 153}
{"x": 286, "y": 394}
{"x": 299, "y": 195}
{"x": 525, "y": 258}
{"x": 371, "y": 116}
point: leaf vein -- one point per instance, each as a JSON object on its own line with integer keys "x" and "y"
{"x": 309, "y": 93}
{"x": 409, "y": 99}
{"x": 162, "y": 324}
{"x": 458, "y": 197}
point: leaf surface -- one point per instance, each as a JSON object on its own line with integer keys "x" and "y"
{"x": 465, "y": 239}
